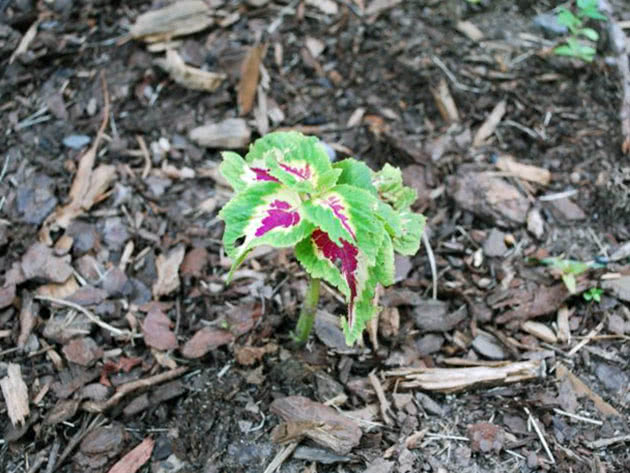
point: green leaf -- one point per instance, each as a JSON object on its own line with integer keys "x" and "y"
{"x": 346, "y": 212}
{"x": 355, "y": 173}
{"x": 568, "y": 19}
{"x": 589, "y": 33}
{"x": 408, "y": 243}
{"x": 361, "y": 312}
{"x": 389, "y": 184}
{"x": 390, "y": 218}
{"x": 564, "y": 50}
{"x": 263, "y": 213}
{"x": 276, "y": 140}
{"x": 385, "y": 265}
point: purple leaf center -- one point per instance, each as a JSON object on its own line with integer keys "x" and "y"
{"x": 302, "y": 173}
{"x": 263, "y": 175}
{"x": 335, "y": 205}
{"x": 346, "y": 254}
{"x": 279, "y": 214}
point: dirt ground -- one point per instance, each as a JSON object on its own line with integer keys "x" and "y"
{"x": 121, "y": 348}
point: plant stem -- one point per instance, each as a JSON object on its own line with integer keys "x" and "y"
{"x": 307, "y": 314}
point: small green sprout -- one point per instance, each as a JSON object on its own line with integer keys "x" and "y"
{"x": 593, "y": 294}
{"x": 575, "y": 45}
{"x": 569, "y": 269}
{"x": 344, "y": 220}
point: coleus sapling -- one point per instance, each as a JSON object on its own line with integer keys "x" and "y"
{"x": 344, "y": 220}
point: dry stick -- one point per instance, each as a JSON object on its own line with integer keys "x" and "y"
{"x": 281, "y": 456}
{"x": 52, "y": 457}
{"x": 431, "y": 256}
{"x": 78, "y": 437}
{"x": 588, "y": 338}
{"x": 94, "y": 318}
{"x": 380, "y": 394}
{"x": 127, "y": 388}
{"x": 618, "y": 41}
{"x": 607, "y": 442}
{"x": 577, "y": 417}
{"x": 540, "y": 435}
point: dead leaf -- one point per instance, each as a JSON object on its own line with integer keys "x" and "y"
{"x": 188, "y": 76}
{"x": 156, "y": 329}
{"x": 250, "y": 72}
{"x": 168, "y": 271}
{"x": 40, "y": 262}
{"x": 206, "y": 340}
{"x": 330, "y": 428}
{"x": 15, "y": 394}
{"x": 83, "y": 351}
{"x": 195, "y": 262}
{"x": 247, "y": 356}
{"x": 137, "y": 457}
{"x": 232, "y": 133}
{"x": 177, "y": 19}
{"x": 490, "y": 124}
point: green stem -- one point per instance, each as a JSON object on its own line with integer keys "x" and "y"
{"x": 307, "y": 314}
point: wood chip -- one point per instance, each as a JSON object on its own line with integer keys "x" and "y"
{"x": 527, "y": 172}
{"x": 157, "y": 329}
{"x": 328, "y": 7}
{"x": 177, "y": 19}
{"x": 490, "y": 124}
{"x": 562, "y": 320}
{"x": 540, "y": 331}
{"x": 206, "y": 340}
{"x": 134, "y": 460}
{"x": 188, "y": 76}
{"x": 250, "y": 73}
{"x": 470, "y": 30}
{"x": 232, "y": 133}
{"x": 450, "y": 380}
{"x": 445, "y": 102}
{"x": 15, "y": 394}
{"x": 328, "y": 427}
{"x": 376, "y": 7}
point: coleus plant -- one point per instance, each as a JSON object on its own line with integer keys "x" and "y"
{"x": 344, "y": 220}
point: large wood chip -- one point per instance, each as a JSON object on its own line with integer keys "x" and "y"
{"x": 250, "y": 73}
{"x": 188, "y": 76}
{"x": 619, "y": 287}
{"x": 581, "y": 389}
{"x": 322, "y": 424}
{"x": 232, "y": 133}
{"x": 489, "y": 197}
{"x": 168, "y": 271}
{"x": 134, "y": 460}
{"x": 488, "y": 127}
{"x": 15, "y": 394}
{"x": 180, "y": 18}
{"x": 448, "y": 380}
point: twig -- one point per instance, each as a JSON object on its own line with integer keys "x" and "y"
{"x": 431, "y": 256}
{"x": 607, "y": 442}
{"x": 94, "y": 318}
{"x": 577, "y": 417}
{"x": 540, "y": 435}
{"x": 78, "y": 437}
{"x": 438, "y": 62}
{"x": 52, "y": 456}
{"x": 124, "y": 389}
{"x": 380, "y": 394}
{"x": 280, "y": 457}
{"x": 558, "y": 195}
{"x": 619, "y": 41}
{"x": 39, "y": 461}
{"x": 588, "y": 338}
{"x": 146, "y": 155}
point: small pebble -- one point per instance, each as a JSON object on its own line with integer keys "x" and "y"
{"x": 76, "y": 141}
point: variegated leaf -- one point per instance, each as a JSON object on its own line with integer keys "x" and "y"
{"x": 355, "y": 173}
{"x": 263, "y": 213}
{"x": 347, "y": 213}
{"x": 346, "y": 267}
{"x": 239, "y": 174}
{"x": 385, "y": 266}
